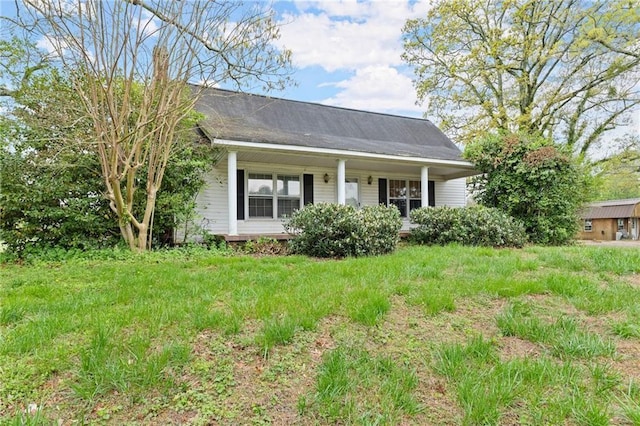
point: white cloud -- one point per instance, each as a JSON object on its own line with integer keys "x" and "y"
{"x": 346, "y": 35}
{"x": 148, "y": 24}
{"x": 377, "y": 88}
{"x": 54, "y": 46}
{"x": 362, "y": 39}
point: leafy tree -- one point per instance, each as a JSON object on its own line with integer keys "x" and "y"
{"x": 130, "y": 63}
{"x": 566, "y": 69}
{"x": 531, "y": 179}
{"x": 52, "y": 192}
{"x": 618, "y": 177}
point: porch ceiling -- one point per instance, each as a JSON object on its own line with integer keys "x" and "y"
{"x": 408, "y": 166}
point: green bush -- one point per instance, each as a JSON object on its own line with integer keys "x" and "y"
{"x": 332, "y": 230}
{"x": 531, "y": 179}
{"x": 474, "y": 226}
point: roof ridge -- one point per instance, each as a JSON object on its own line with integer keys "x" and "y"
{"x": 615, "y": 202}
{"x": 312, "y": 103}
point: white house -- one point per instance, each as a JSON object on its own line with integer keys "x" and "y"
{"x": 282, "y": 154}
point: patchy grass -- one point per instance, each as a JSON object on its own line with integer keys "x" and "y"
{"x": 427, "y": 335}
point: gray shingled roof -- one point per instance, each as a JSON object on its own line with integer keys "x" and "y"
{"x": 253, "y": 118}
{"x": 613, "y": 209}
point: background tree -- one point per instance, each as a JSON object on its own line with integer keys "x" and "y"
{"x": 130, "y": 63}
{"x": 567, "y": 69}
{"x": 51, "y": 189}
{"x": 618, "y": 176}
{"x": 531, "y": 179}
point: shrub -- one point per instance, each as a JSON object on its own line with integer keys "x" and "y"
{"x": 332, "y": 230}
{"x": 531, "y": 179}
{"x": 475, "y": 226}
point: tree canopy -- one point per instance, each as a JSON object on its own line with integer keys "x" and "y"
{"x": 618, "y": 176}
{"x": 566, "y": 69}
{"x": 52, "y": 188}
{"x": 130, "y": 63}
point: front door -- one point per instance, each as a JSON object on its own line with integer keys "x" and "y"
{"x": 352, "y": 197}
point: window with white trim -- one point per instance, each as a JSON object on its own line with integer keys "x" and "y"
{"x": 264, "y": 202}
{"x": 588, "y": 225}
{"x": 403, "y": 193}
{"x": 620, "y": 224}
{"x": 288, "y": 194}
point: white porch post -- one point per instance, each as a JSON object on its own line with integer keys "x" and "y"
{"x": 232, "y": 189}
{"x": 424, "y": 184}
{"x": 341, "y": 182}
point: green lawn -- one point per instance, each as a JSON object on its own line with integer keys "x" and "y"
{"x": 428, "y": 335}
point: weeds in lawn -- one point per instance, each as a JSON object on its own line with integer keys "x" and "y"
{"x": 630, "y": 403}
{"x": 351, "y": 379}
{"x": 367, "y": 306}
{"x": 434, "y": 298}
{"x": 629, "y": 329}
{"x": 487, "y": 387}
{"x": 604, "y": 378}
{"x": 107, "y": 364}
{"x": 11, "y": 315}
{"x": 137, "y": 326}
{"x": 276, "y": 331}
{"x": 562, "y": 336}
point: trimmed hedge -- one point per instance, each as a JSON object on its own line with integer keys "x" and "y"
{"x": 333, "y": 230}
{"x": 473, "y": 226}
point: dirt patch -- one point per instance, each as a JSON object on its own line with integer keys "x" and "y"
{"x": 514, "y": 347}
{"x": 633, "y": 279}
{"x": 626, "y": 362}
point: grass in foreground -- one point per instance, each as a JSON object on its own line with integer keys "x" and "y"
{"x": 440, "y": 335}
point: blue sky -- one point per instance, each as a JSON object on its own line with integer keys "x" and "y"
{"x": 347, "y": 53}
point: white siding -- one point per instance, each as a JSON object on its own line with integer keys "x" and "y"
{"x": 212, "y": 206}
{"x": 451, "y": 193}
{"x": 211, "y": 202}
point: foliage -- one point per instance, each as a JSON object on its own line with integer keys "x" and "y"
{"x": 618, "y": 177}
{"x": 531, "y": 179}
{"x": 474, "y": 226}
{"x": 130, "y": 67}
{"x": 333, "y": 230}
{"x": 567, "y": 69}
{"x": 52, "y": 192}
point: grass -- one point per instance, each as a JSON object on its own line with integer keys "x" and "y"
{"x": 427, "y": 335}
{"x": 562, "y": 335}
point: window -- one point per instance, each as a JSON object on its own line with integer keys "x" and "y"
{"x": 405, "y": 192}
{"x": 263, "y": 198}
{"x": 288, "y": 194}
{"x": 620, "y": 224}
{"x": 260, "y": 188}
{"x": 415, "y": 194}
{"x": 398, "y": 195}
{"x": 588, "y": 226}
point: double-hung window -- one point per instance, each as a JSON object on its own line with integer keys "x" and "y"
{"x": 403, "y": 193}
{"x": 588, "y": 225}
{"x": 265, "y": 202}
{"x": 288, "y": 194}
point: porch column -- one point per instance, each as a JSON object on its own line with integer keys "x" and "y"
{"x": 232, "y": 189}
{"x": 341, "y": 182}
{"x": 424, "y": 186}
